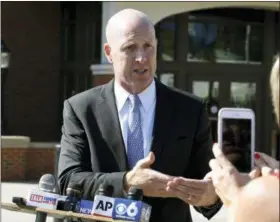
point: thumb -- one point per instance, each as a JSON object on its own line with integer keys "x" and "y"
{"x": 255, "y": 173}
{"x": 266, "y": 171}
{"x": 147, "y": 161}
{"x": 208, "y": 176}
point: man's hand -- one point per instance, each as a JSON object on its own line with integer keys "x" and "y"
{"x": 193, "y": 192}
{"x": 152, "y": 183}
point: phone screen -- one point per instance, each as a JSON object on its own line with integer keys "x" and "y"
{"x": 237, "y": 142}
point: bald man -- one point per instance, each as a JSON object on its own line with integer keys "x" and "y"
{"x": 135, "y": 131}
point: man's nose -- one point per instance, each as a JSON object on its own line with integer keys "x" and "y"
{"x": 140, "y": 56}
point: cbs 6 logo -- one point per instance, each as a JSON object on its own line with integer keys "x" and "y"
{"x": 131, "y": 210}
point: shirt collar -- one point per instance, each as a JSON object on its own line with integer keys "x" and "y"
{"x": 147, "y": 97}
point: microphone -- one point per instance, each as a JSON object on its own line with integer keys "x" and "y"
{"x": 73, "y": 199}
{"x": 19, "y": 201}
{"x": 47, "y": 183}
{"x": 103, "y": 201}
{"x": 135, "y": 193}
{"x": 132, "y": 208}
{"x": 105, "y": 190}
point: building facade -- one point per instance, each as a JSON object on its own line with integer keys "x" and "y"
{"x": 221, "y": 51}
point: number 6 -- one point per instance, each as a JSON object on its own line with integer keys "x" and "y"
{"x": 132, "y": 210}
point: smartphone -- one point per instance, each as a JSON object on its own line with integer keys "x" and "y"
{"x": 236, "y": 136}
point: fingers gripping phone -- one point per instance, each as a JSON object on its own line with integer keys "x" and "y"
{"x": 236, "y": 136}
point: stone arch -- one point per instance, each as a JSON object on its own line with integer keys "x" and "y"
{"x": 181, "y": 7}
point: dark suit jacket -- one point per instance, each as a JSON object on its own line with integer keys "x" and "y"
{"x": 93, "y": 150}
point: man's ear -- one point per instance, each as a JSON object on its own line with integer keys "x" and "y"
{"x": 107, "y": 51}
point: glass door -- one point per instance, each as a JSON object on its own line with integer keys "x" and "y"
{"x": 210, "y": 92}
{"x": 221, "y": 92}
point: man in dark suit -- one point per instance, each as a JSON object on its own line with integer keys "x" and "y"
{"x": 135, "y": 131}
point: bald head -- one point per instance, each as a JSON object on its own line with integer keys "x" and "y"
{"x": 131, "y": 48}
{"x": 126, "y": 20}
{"x": 259, "y": 201}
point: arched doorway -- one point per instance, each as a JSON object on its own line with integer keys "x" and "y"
{"x": 223, "y": 55}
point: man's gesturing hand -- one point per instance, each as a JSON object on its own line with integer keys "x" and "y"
{"x": 153, "y": 183}
{"x": 193, "y": 192}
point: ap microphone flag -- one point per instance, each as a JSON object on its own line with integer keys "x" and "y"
{"x": 121, "y": 209}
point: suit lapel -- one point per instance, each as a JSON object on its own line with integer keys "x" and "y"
{"x": 163, "y": 118}
{"x": 108, "y": 121}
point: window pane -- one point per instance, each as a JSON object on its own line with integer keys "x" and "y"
{"x": 231, "y": 43}
{"x": 167, "y": 79}
{"x": 167, "y": 39}
{"x": 243, "y": 95}
{"x": 209, "y": 91}
{"x": 202, "y": 89}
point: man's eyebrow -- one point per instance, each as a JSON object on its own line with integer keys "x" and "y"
{"x": 127, "y": 44}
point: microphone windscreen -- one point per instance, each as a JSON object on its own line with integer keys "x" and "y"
{"x": 75, "y": 186}
{"x": 135, "y": 193}
{"x": 105, "y": 190}
{"x": 47, "y": 183}
{"x": 19, "y": 201}
{"x": 74, "y": 189}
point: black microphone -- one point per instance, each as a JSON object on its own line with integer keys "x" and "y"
{"x": 105, "y": 190}
{"x": 72, "y": 202}
{"x": 135, "y": 193}
{"x": 47, "y": 183}
{"x": 19, "y": 201}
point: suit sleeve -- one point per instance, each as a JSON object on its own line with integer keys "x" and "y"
{"x": 200, "y": 157}
{"x": 75, "y": 163}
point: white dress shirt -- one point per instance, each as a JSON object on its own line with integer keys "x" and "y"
{"x": 147, "y": 110}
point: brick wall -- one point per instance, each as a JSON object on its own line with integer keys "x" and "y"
{"x": 31, "y": 30}
{"x": 26, "y": 164}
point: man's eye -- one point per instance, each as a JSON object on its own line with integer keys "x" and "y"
{"x": 147, "y": 45}
{"x": 130, "y": 47}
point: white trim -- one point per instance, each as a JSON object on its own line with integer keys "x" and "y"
{"x": 101, "y": 69}
{"x": 15, "y": 141}
{"x": 43, "y": 144}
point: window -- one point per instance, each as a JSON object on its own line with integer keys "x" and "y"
{"x": 166, "y": 34}
{"x": 224, "y": 41}
{"x": 168, "y": 79}
{"x": 243, "y": 94}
